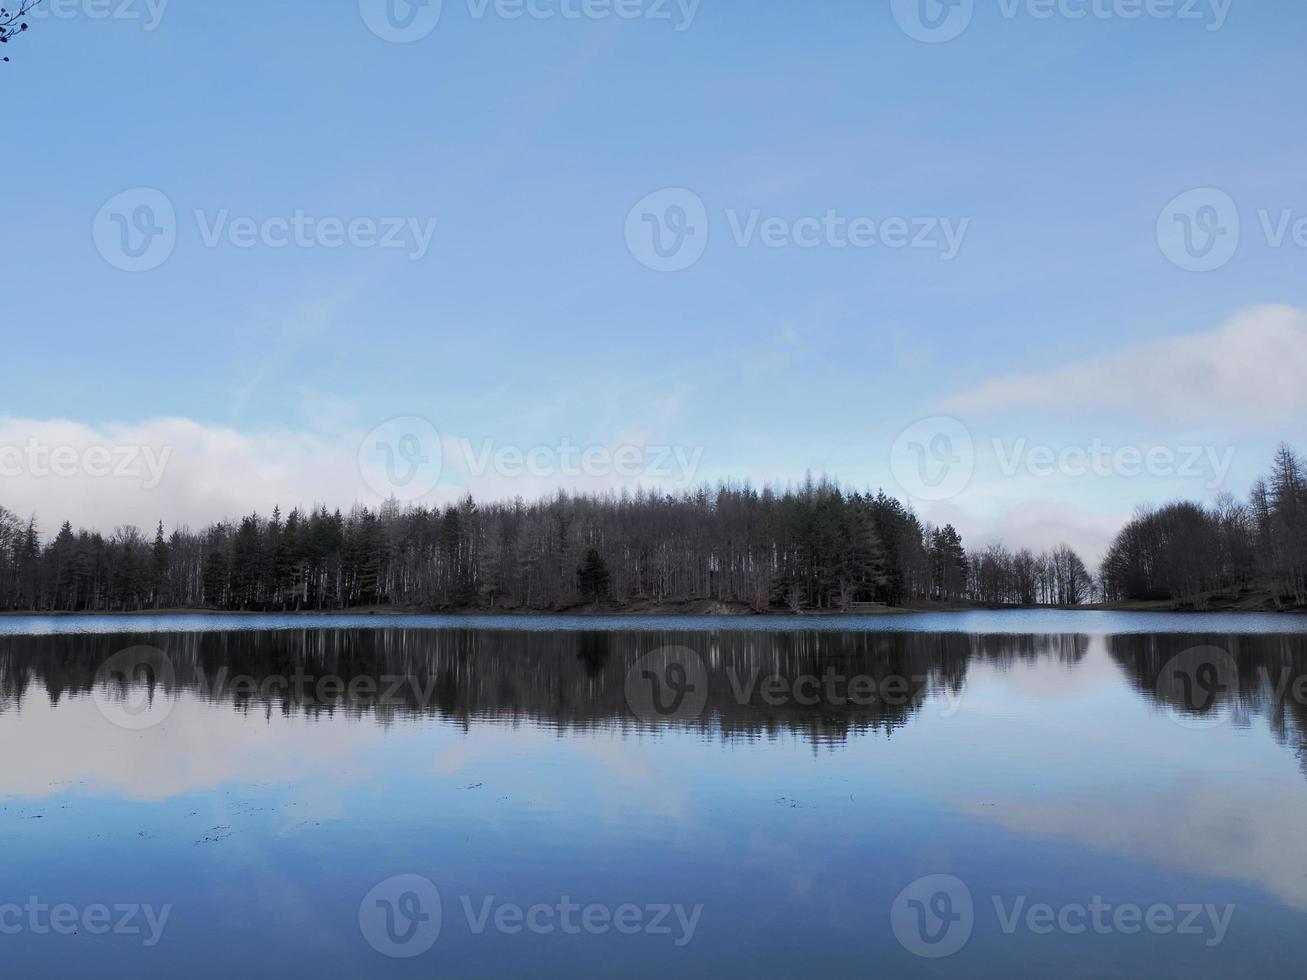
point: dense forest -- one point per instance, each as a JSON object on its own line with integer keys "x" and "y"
{"x": 1186, "y": 549}
{"x": 816, "y": 547}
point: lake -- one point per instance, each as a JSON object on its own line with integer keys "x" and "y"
{"x": 976, "y": 794}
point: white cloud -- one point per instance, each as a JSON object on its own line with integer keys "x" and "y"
{"x": 1253, "y": 368}
{"x": 172, "y": 469}
{"x": 200, "y": 746}
{"x": 1255, "y": 840}
{"x": 1035, "y": 524}
{"x": 1039, "y": 525}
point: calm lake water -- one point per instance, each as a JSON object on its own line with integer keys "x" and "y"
{"x": 980, "y": 794}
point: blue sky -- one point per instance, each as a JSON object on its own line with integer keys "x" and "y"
{"x": 1056, "y": 142}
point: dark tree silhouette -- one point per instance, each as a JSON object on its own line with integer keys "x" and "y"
{"x": 815, "y": 546}
{"x": 1187, "y": 551}
{"x": 593, "y": 577}
{"x": 12, "y": 23}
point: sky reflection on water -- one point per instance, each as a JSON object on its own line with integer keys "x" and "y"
{"x": 1032, "y": 768}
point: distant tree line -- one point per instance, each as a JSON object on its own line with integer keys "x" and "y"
{"x": 1051, "y": 578}
{"x": 1187, "y": 550}
{"x": 813, "y": 547}
{"x": 816, "y": 547}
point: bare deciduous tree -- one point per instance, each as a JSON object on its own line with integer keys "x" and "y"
{"x": 11, "y": 21}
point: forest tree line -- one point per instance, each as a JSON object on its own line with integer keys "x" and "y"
{"x": 1187, "y": 549}
{"x": 814, "y": 547}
